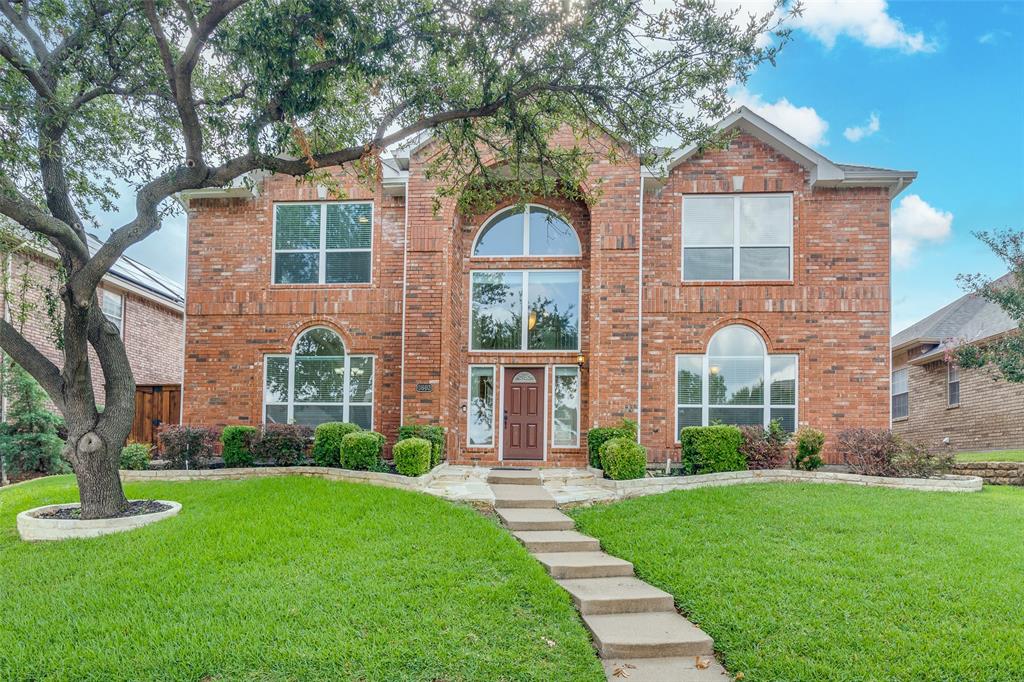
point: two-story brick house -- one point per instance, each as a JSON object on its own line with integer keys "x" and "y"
{"x": 736, "y": 285}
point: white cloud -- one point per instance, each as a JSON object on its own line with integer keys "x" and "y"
{"x": 858, "y": 133}
{"x": 993, "y": 37}
{"x": 803, "y": 123}
{"x": 914, "y": 223}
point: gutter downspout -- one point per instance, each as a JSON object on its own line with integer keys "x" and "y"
{"x": 640, "y": 313}
{"x": 405, "y": 283}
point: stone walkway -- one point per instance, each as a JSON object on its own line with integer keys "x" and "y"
{"x": 635, "y": 627}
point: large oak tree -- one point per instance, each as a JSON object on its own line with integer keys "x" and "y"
{"x": 172, "y": 95}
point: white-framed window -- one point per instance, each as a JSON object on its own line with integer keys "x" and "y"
{"x": 530, "y": 230}
{"x": 727, "y": 384}
{"x": 952, "y": 385}
{"x": 318, "y": 382}
{"x": 737, "y": 237}
{"x": 323, "y": 242}
{"x": 900, "y": 394}
{"x": 565, "y": 410}
{"x": 535, "y": 310}
{"x": 480, "y": 411}
{"x": 112, "y": 304}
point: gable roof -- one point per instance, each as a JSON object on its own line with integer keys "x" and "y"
{"x": 968, "y": 318}
{"x": 823, "y": 171}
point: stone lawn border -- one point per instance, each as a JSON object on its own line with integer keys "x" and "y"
{"x": 33, "y": 528}
{"x": 996, "y": 473}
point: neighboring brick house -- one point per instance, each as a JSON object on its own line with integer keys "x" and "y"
{"x": 519, "y": 330}
{"x": 934, "y": 400}
{"x": 147, "y": 307}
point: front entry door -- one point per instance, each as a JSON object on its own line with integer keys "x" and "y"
{"x": 524, "y": 413}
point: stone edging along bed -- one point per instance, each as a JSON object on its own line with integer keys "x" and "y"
{"x": 31, "y": 527}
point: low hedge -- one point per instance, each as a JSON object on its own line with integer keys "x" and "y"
{"x": 707, "y": 449}
{"x": 187, "y": 447}
{"x": 283, "y": 444}
{"x": 360, "y": 450}
{"x": 327, "y": 442}
{"x": 135, "y": 456}
{"x": 599, "y": 436}
{"x": 412, "y": 456}
{"x": 432, "y": 433}
{"x": 623, "y": 458}
{"x": 236, "y": 444}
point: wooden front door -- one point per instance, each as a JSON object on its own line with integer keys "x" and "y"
{"x": 155, "y": 406}
{"x": 524, "y": 413}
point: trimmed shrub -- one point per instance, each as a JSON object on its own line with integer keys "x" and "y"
{"x": 764, "y": 448}
{"x": 809, "y": 443}
{"x": 135, "y": 456}
{"x": 327, "y": 442}
{"x": 30, "y": 440}
{"x": 880, "y": 452}
{"x": 283, "y": 444}
{"x": 187, "y": 447}
{"x": 237, "y": 445}
{"x": 707, "y": 449}
{"x": 623, "y": 458}
{"x": 599, "y": 436}
{"x": 412, "y": 456}
{"x": 431, "y": 433}
{"x": 361, "y": 450}
{"x": 917, "y": 461}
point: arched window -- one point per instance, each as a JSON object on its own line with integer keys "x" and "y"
{"x": 318, "y": 382}
{"x": 727, "y": 384}
{"x": 527, "y": 231}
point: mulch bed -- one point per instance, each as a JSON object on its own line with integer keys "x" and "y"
{"x": 135, "y": 508}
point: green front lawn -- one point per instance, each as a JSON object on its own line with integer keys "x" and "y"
{"x": 833, "y": 582}
{"x": 283, "y": 579}
{"x": 997, "y": 456}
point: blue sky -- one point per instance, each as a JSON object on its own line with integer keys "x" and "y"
{"x": 936, "y": 87}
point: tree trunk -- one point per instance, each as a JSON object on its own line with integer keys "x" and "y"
{"x": 96, "y": 462}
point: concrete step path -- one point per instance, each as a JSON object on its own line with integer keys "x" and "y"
{"x": 635, "y": 627}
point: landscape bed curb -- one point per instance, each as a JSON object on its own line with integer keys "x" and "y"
{"x": 33, "y": 528}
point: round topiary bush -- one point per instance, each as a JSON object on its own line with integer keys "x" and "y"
{"x": 361, "y": 451}
{"x": 135, "y": 456}
{"x": 236, "y": 444}
{"x": 623, "y": 458}
{"x": 327, "y": 442}
{"x": 412, "y": 456}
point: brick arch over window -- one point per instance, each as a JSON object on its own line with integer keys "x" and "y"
{"x": 527, "y": 231}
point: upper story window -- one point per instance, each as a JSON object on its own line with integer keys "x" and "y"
{"x": 528, "y": 231}
{"x": 740, "y": 237}
{"x": 112, "y": 304}
{"x": 900, "y": 394}
{"x": 525, "y": 310}
{"x": 323, "y": 243}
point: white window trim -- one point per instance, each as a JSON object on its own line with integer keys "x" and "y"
{"x": 579, "y": 390}
{"x": 526, "y": 235}
{"x": 469, "y": 402}
{"x": 735, "y": 245}
{"x": 525, "y": 316}
{"x": 892, "y": 383}
{"x": 123, "y": 299}
{"x": 949, "y": 382}
{"x": 766, "y": 404}
{"x": 323, "y": 250}
{"x": 346, "y": 403}
{"x": 501, "y": 414}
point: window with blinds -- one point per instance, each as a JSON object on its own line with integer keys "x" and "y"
{"x": 900, "y": 394}
{"x": 323, "y": 243}
{"x": 952, "y": 385}
{"x": 741, "y": 237}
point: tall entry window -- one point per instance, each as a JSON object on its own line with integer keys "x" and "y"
{"x": 737, "y": 237}
{"x": 323, "y": 243}
{"x": 525, "y": 310}
{"x": 727, "y": 385}
{"x": 318, "y": 382}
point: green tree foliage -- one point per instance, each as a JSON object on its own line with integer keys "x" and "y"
{"x": 1004, "y": 355}
{"x": 28, "y": 439}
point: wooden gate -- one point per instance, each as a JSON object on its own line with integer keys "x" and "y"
{"x": 154, "y": 407}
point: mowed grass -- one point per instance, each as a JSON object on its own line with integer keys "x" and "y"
{"x": 833, "y": 582}
{"x": 283, "y": 579}
{"x": 996, "y": 456}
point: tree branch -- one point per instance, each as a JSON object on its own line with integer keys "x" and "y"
{"x": 18, "y": 208}
{"x": 26, "y": 31}
{"x": 33, "y": 362}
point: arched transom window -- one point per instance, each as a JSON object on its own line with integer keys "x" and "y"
{"x": 318, "y": 382}
{"x": 529, "y": 230}
{"x": 727, "y": 384}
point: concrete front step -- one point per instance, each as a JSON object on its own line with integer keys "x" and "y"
{"x": 535, "y": 519}
{"x": 647, "y": 635}
{"x": 568, "y": 565}
{"x": 540, "y": 541}
{"x": 514, "y": 476}
{"x": 677, "y": 669}
{"x": 521, "y": 497}
{"x": 616, "y": 595}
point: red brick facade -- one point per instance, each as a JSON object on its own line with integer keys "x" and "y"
{"x": 833, "y": 314}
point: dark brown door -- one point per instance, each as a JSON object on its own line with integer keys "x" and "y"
{"x": 524, "y": 413}
{"x": 155, "y": 406}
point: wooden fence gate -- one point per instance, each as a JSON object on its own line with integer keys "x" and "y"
{"x": 154, "y": 407}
